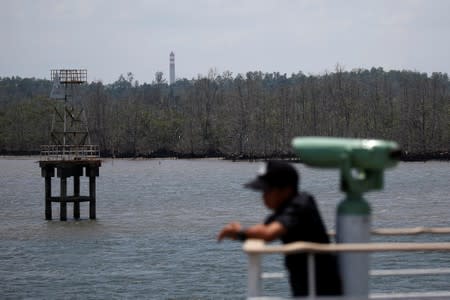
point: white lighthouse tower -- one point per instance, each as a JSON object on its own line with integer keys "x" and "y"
{"x": 172, "y": 68}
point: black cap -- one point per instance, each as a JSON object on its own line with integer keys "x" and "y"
{"x": 275, "y": 174}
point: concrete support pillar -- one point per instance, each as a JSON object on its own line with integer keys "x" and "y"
{"x": 48, "y": 195}
{"x": 76, "y": 193}
{"x": 92, "y": 212}
{"x": 63, "y": 203}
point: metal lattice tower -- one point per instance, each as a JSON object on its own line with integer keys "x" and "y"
{"x": 69, "y": 136}
{"x": 70, "y": 152}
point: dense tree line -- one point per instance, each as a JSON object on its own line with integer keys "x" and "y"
{"x": 251, "y": 115}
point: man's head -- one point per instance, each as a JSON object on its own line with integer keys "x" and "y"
{"x": 278, "y": 181}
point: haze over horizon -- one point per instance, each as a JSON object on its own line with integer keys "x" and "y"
{"x": 109, "y": 38}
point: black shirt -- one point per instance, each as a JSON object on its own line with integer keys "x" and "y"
{"x": 301, "y": 219}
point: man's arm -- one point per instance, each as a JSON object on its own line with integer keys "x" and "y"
{"x": 265, "y": 232}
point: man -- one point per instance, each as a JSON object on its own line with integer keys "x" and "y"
{"x": 295, "y": 217}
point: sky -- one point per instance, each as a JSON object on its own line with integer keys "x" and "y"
{"x": 114, "y": 37}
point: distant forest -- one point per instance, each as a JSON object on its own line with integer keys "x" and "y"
{"x": 252, "y": 115}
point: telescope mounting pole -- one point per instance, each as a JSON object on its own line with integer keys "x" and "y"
{"x": 353, "y": 226}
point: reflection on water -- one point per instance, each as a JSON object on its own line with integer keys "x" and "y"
{"x": 157, "y": 221}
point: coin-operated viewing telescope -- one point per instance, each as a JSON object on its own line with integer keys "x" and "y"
{"x": 367, "y": 157}
{"x": 361, "y": 163}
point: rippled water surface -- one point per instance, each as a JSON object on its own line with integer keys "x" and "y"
{"x": 154, "y": 237}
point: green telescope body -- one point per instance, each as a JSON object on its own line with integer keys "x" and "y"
{"x": 367, "y": 157}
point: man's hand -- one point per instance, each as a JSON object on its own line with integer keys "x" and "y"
{"x": 267, "y": 232}
{"x": 229, "y": 231}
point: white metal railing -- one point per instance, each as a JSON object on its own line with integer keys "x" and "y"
{"x": 256, "y": 248}
{"x": 69, "y": 152}
{"x": 405, "y": 231}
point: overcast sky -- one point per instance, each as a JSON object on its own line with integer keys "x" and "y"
{"x": 112, "y": 37}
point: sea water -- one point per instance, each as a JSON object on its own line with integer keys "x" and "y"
{"x": 157, "y": 222}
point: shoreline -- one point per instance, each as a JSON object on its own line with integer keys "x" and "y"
{"x": 405, "y": 157}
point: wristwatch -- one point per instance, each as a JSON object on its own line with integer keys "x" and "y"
{"x": 241, "y": 235}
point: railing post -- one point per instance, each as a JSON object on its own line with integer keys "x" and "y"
{"x": 254, "y": 275}
{"x": 311, "y": 276}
